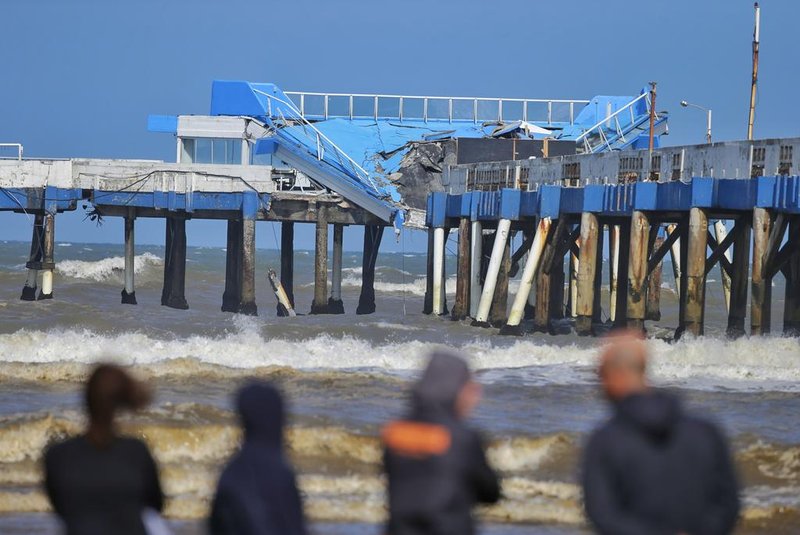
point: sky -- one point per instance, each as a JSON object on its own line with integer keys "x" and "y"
{"x": 80, "y": 77}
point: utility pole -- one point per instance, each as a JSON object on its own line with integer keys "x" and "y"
{"x": 756, "y": 36}
{"x": 652, "y": 127}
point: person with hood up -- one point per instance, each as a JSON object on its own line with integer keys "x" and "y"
{"x": 436, "y": 465}
{"x": 257, "y": 492}
{"x": 653, "y": 468}
{"x": 101, "y": 482}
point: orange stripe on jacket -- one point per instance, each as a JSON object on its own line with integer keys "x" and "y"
{"x": 415, "y": 439}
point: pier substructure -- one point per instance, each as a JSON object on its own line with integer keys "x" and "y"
{"x": 287, "y": 265}
{"x": 320, "y": 303}
{"x": 694, "y": 297}
{"x": 173, "y": 293}
{"x": 737, "y": 309}
{"x": 532, "y": 264}
{"x": 637, "y": 270}
{"x": 48, "y": 265}
{"x": 761, "y": 282}
{"x": 373, "y": 234}
{"x": 335, "y": 304}
{"x": 462, "y": 304}
{"x": 613, "y": 271}
{"x": 232, "y": 297}
{"x": 587, "y": 277}
{"x": 547, "y": 305}
{"x": 34, "y": 259}
{"x": 791, "y": 269}
{"x": 129, "y": 291}
{"x": 427, "y": 304}
{"x": 623, "y": 264}
{"x": 496, "y": 262}
{"x": 438, "y": 290}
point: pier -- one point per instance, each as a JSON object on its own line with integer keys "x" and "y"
{"x": 647, "y": 204}
{"x": 267, "y": 155}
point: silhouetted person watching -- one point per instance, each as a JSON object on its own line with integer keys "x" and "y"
{"x": 257, "y": 492}
{"x": 436, "y": 465}
{"x": 652, "y": 468}
{"x": 100, "y": 482}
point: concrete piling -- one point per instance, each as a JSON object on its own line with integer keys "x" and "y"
{"x": 532, "y": 264}
{"x": 232, "y": 297}
{"x": 495, "y": 265}
{"x": 760, "y": 282}
{"x": 462, "y": 304}
{"x": 737, "y": 310}
{"x": 320, "y": 303}
{"x": 34, "y": 259}
{"x": 438, "y": 271}
{"x": 586, "y": 278}
{"x": 613, "y": 271}
{"x": 637, "y": 270}
{"x": 597, "y": 307}
{"x": 373, "y": 235}
{"x": 173, "y": 293}
{"x": 720, "y": 233}
{"x": 129, "y": 291}
{"x": 248, "y": 304}
{"x": 287, "y": 267}
{"x": 623, "y": 264}
{"x": 476, "y": 263}
{"x": 335, "y": 304}
{"x": 427, "y": 305}
{"x": 48, "y": 265}
{"x": 694, "y": 298}
{"x": 574, "y": 268}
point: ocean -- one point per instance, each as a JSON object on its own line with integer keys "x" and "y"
{"x": 344, "y": 376}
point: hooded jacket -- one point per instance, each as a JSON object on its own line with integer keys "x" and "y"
{"x": 257, "y": 492}
{"x": 655, "y": 469}
{"x": 436, "y": 466}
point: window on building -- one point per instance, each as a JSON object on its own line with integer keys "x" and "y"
{"x": 212, "y": 150}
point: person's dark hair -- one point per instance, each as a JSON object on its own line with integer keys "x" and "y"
{"x": 108, "y": 390}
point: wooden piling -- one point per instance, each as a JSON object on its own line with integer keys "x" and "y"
{"x": 637, "y": 270}
{"x": 623, "y": 264}
{"x": 557, "y": 287}
{"x": 696, "y": 272}
{"x": 373, "y": 235}
{"x": 597, "y": 307}
{"x": 498, "y": 312}
{"x": 129, "y": 291}
{"x": 320, "y": 303}
{"x": 48, "y": 256}
{"x": 760, "y": 283}
{"x": 532, "y": 264}
{"x": 232, "y": 296}
{"x": 335, "y": 304}
{"x": 653, "y": 306}
{"x": 34, "y": 259}
{"x": 613, "y": 271}
{"x": 461, "y": 306}
{"x": 737, "y": 311}
{"x": 587, "y": 277}
{"x": 173, "y": 293}
{"x": 791, "y": 309}
{"x": 248, "y": 303}
{"x": 287, "y": 266}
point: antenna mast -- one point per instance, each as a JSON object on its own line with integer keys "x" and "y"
{"x": 756, "y": 39}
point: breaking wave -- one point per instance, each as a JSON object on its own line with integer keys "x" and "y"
{"x": 701, "y": 363}
{"x": 339, "y": 470}
{"x": 106, "y": 268}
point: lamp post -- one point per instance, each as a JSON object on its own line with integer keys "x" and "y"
{"x": 686, "y": 104}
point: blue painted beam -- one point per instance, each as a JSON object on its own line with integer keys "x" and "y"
{"x": 609, "y": 199}
{"x": 50, "y": 199}
{"x": 779, "y": 193}
{"x": 248, "y": 202}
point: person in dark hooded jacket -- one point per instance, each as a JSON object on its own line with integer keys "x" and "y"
{"x": 653, "y": 468}
{"x": 436, "y": 465}
{"x": 257, "y": 492}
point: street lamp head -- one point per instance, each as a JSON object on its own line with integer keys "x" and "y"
{"x": 684, "y": 103}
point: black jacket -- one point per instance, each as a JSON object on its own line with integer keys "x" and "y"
{"x": 97, "y": 491}
{"x": 257, "y": 493}
{"x": 654, "y": 469}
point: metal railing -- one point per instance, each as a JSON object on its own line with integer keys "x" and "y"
{"x": 18, "y": 146}
{"x": 606, "y": 123}
{"x": 323, "y": 144}
{"x": 415, "y": 107}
